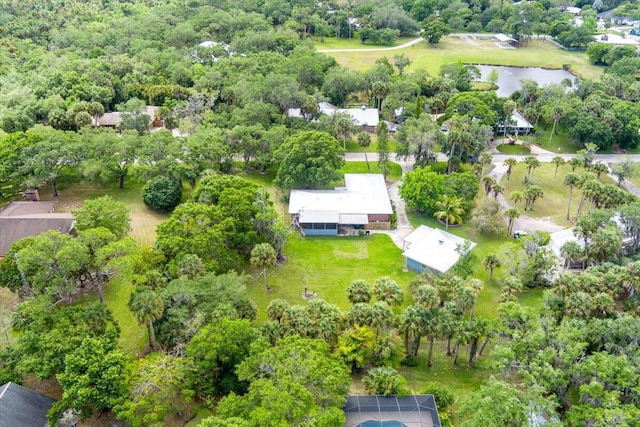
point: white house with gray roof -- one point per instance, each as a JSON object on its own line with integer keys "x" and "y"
{"x": 432, "y": 249}
{"x": 362, "y": 204}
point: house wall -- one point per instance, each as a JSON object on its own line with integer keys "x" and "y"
{"x": 415, "y": 265}
{"x": 379, "y": 217}
{"x": 378, "y": 226}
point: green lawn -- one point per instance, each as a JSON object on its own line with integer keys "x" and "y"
{"x": 353, "y": 146}
{"x": 143, "y": 220}
{"x": 513, "y": 149}
{"x": 327, "y": 265}
{"x": 393, "y": 175}
{"x": 560, "y": 143}
{"x": 354, "y": 43}
{"x": 538, "y": 53}
{"x": 554, "y": 203}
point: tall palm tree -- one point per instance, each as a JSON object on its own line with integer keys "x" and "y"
{"x": 531, "y": 194}
{"x": 147, "y": 307}
{"x": 450, "y": 210}
{"x": 510, "y": 163}
{"x": 497, "y": 189}
{"x": 276, "y": 309}
{"x": 484, "y": 160}
{"x": 411, "y": 322}
{"x": 491, "y": 262}
{"x": 571, "y": 179}
{"x": 512, "y": 214}
{"x": 488, "y": 182}
{"x": 558, "y": 161}
{"x": 381, "y": 316}
{"x": 263, "y": 256}
{"x": 532, "y": 163}
{"x": 364, "y": 140}
{"x": 360, "y": 314}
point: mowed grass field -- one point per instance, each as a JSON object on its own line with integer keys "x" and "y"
{"x": 555, "y": 201}
{"x": 538, "y": 53}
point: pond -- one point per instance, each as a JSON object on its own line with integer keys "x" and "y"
{"x": 509, "y": 77}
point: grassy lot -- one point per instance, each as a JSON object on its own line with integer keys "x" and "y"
{"x": 354, "y": 43}
{"x": 554, "y": 203}
{"x": 143, "y": 220}
{"x": 451, "y": 49}
{"x": 395, "y": 171}
{"x": 353, "y": 146}
{"x": 327, "y": 265}
{"x": 560, "y": 143}
{"x": 513, "y": 149}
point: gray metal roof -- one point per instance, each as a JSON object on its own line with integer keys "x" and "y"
{"x": 21, "y": 407}
{"x": 410, "y": 411}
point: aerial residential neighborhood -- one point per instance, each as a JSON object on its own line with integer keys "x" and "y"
{"x": 300, "y": 213}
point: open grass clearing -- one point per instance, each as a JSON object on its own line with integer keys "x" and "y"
{"x": 553, "y": 205}
{"x": 393, "y": 175}
{"x": 513, "y": 149}
{"x": 143, "y": 220}
{"x": 355, "y": 43}
{"x": 327, "y": 265}
{"x": 352, "y": 145}
{"x": 560, "y": 143}
{"x": 538, "y": 53}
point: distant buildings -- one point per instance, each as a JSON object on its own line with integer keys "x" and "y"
{"x": 432, "y": 249}
{"x": 366, "y": 118}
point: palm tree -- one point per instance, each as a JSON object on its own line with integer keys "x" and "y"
{"x": 516, "y": 196}
{"x": 511, "y": 286}
{"x": 450, "y": 210}
{"x": 497, "y": 189}
{"x": 364, "y": 140}
{"x": 488, "y": 183}
{"x": 531, "y": 194}
{"x": 427, "y": 297}
{"x": 484, "y": 160}
{"x": 574, "y": 163}
{"x": 263, "y": 256}
{"x": 381, "y": 316}
{"x": 359, "y": 291}
{"x": 411, "y": 323}
{"x": 512, "y": 214}
{"x": 276, "y": 309}
{"x": 431, "y": 329}
{"x": 532, "y": 163}
{"x": 509, "y": 163}
{"x": 147, "y": 307}
{"x": 360, "y": 314}
{"x": 599, "y": 168}
{"x": 387, "y": 290}
{"x": 558, "y": 161}
{"x": 490, "y": 263}
{"x": 571, "y": 179}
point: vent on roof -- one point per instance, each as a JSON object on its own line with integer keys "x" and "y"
{"x": 363, "y": 107}
{"x": 441, "y": 241}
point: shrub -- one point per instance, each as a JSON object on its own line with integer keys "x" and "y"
{"x": 385, "y": 381}
{"x": 162, "y": 193}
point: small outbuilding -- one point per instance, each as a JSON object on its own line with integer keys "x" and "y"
{"x": 362, "y": 204}
{"x": 432, "y": 249}
{"x": 21, "y": 407}
{"x": 416, "y": 410}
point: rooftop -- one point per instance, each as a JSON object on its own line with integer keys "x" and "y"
{"x": 21, "y": 407}
{"x": 433, "y": 248}
{"x": 362, "y": 194}
{"x": 407, "y": 411}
